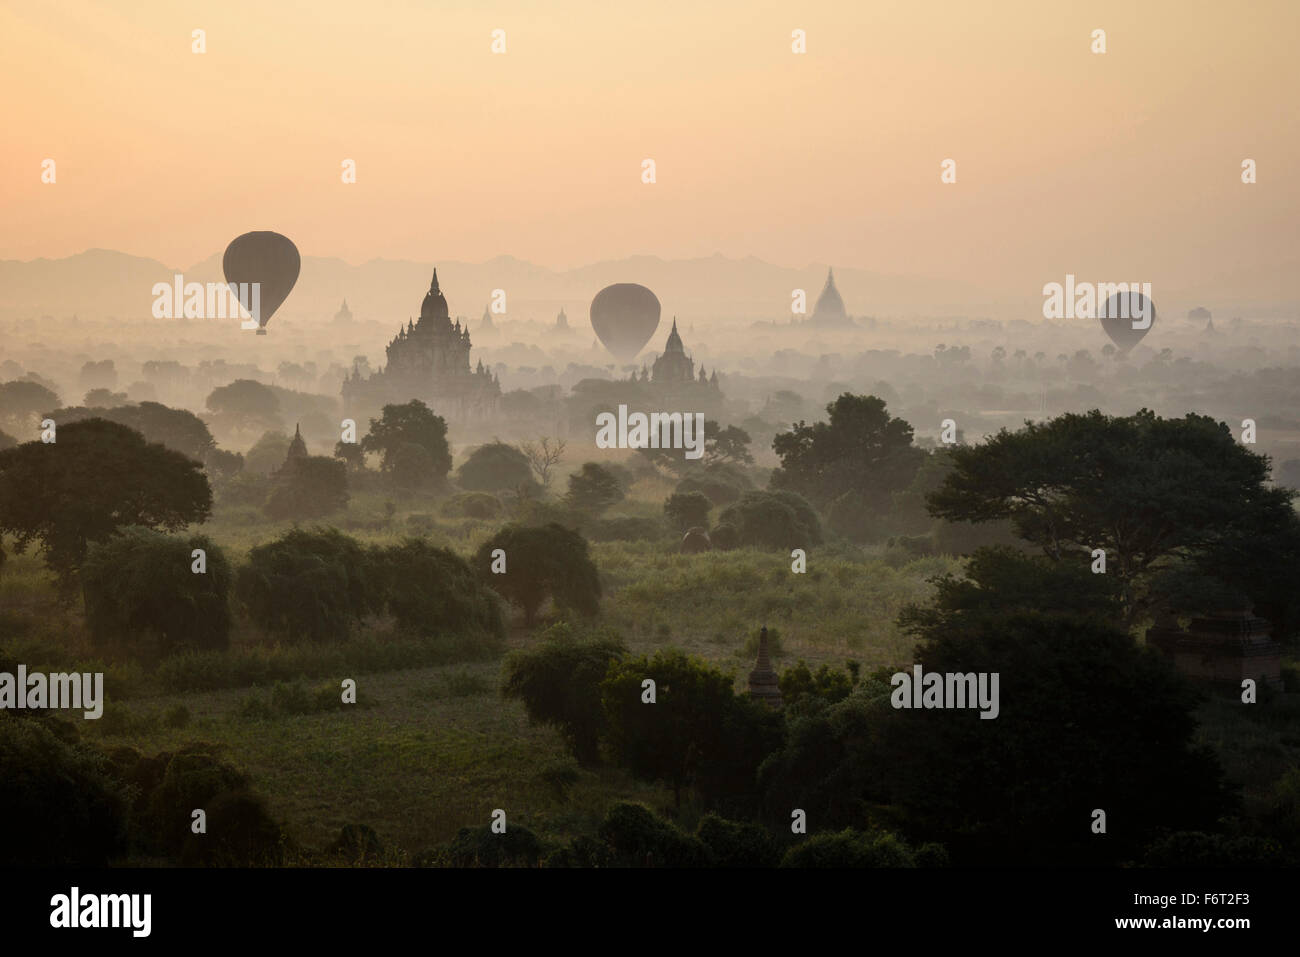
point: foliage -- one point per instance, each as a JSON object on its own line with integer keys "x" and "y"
{"x": 779, "y": 520}
{"x": 687, "y": 510}
{"x": 308, "y": 488}
{"x": 410, "y": 424}
{"x": 482, "y": 505}
{"x": 433, "y": 591}
{"x": 267, "y": 454}
{"x": 737, "y": 843}
{"x": 559, "y": 683}
{"x": 140, "y": 583}
{"x": 860, "y": 449}
{"x": 98, "y": 477}
{"x": 1141, "y": 487}
{"x": 593, "y": 488}
{"x": 636, "y": 838}
{"x": 60, "y": 804}
{"x": 308, "y": 584}
{"x": 493, "y": 467}
{"x": 698, "y": 733}
{"x": 547, "y": 561}
{"x": 850, "y": 848}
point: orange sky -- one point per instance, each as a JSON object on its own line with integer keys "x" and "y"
{"x": 1117, "y": 166}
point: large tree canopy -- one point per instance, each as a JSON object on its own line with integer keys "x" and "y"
{"x": 410, "y": 424}
{"x": 177, "y": 429}
{"x": 1150, "y": 491}
{"x": 862, "y": 449}
{"x": 96, "y": 478}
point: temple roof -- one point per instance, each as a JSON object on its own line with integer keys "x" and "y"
{"x": 674, "y": 343}
{"x": 829, "y": 304}
{"x": 434, "y": 305}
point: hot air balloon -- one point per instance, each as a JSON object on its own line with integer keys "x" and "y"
{"x": 1121, "y": 312}
{"x": 625, "y": 316}
{"x": 266, "y": 258}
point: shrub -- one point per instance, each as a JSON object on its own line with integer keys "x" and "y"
{"x": 480, "y": 847}
{"x": 433, "y": 591}
{"x": 483, "y": 505}
{"x": 636, "y": 838}
{"x": 308, "y": 488}
{"x": 593, "y": 488}
{"x": 240, "y": 833}
{"x": 775, "y": 520}
{"x": 737, "y": 843}
{"x": 309, "y": 584}
{"x": 542, "y": 562}
{"x": 687, "y": 510}
{"x": 558, "y": 682}
{"x": 725, "y": 536}
{"x": 60, "y": 804}
{"x": 140, "y": 583}
{"x": 493, "y": 467}
{"x": 850, "y": 848}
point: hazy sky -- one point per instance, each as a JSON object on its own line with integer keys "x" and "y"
{"x": 1117, "y": 166}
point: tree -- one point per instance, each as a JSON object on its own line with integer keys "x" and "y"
{"x": 687, "y": 510}
{"x": 245, "y": 400}
{"x": 177, "y": 429}
{"x": 432, "y": 591}
{"x": 308, "y": 488}
{"x": 62, "y": 806}
{"x": 352, "y": 455}
{"x": 860, "y": 449}
{"x": 309, "y": 584}
{"x": 727, "y": 445}
{"x": 697, "y": 734}
{"x": 1014, "y": 790}
{"x": 593, "y": 488}
{"x": 140, "y": 583}
{"x": 1147, "y": 490}
{"x": 548, "y": 561}
{"x": 23, "y": 403}
{"x": 98, "y": 477}
{"x": 494, "y": 467}
{"x": 410, "y": 424}
{"x": 775, "y": 520}
{"x": 558, "y": 681}
{"x": 267, "y": 454}
{"x": 543, "y": 455}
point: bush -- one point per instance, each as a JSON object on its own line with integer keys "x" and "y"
{"x": 737, "y": 844}
{"x": 558, "y": 682}
{"x": 593, "y": 488}
{"x": 193, "y": 776}
{"x": 482, "y": 505}
{"x": 774, "y": 520}
{"x": 308, "y": 488}
{"x": 240, "y": 833}
{"x": 850, "y": 848}
{"x": 725, "y": 536}
{"x": 1196, "y": 849}
{"x": 493, "y": 467}
{"x": 480, "y": 847}
{"x": 542, "y": 562}
{"x": 433, "y": 591}
{"x": 687, "y": 510}
{"x": 60, "y": 804}
{"x": 140, "y": 583}
{"x": 636, "y": 838}
{"x": 308, "y": 584}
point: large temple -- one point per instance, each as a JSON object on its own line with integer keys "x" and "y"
{"x": 674, "y": 370}
{"x": 427, "y": 360}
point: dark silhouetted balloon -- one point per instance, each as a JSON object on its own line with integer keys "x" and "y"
{"x": 1119, "y": 328}
{"x": 625, "y": 316}
{"x": 269, "y": 259}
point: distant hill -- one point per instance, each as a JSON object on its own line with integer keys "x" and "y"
{"x": 101, "y": 282}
